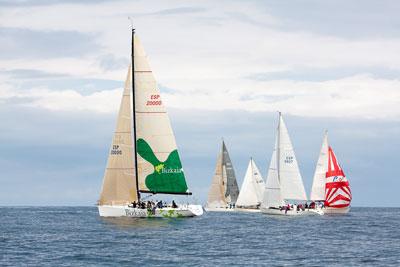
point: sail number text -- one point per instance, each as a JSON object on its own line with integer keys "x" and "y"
{"x": 289, "y": 159}
{"x": 155, "y": 100}
{"x": 116, "y": 150}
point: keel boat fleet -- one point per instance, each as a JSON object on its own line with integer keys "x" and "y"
{"x": 283, "y": 191}
{"x": 143, "y": 161}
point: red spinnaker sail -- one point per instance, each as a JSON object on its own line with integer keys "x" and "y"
{"x": 337, "y": 188}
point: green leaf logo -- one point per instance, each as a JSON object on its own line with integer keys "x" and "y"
{"x": 168, "y": 176}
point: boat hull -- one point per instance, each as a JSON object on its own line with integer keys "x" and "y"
{"x": 247, "y": 210}
{"x": 209, "y": 209}
{"x": 291, "y": 212}
{"x": 329, "y": 210}
{"x": 167, "y": 212}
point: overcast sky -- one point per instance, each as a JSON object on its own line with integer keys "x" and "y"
{"x": 224, "y": 69}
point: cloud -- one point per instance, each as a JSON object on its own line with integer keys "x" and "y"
{"x": 325, "y": 74}
{"x": 27, "y": 43}
{"x": 29, "y": 3}
{"x": 350, "y": 20}
{"x": 354, "y": 97}
{"x": 105, "y": 101}
{"x": 18, "y": 74}
{"x": 111, "y": 62}
{"x": 179, "y": 11}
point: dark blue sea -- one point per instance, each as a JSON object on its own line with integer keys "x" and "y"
{"x": 77, "y": 236}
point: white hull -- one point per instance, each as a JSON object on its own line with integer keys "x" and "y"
{"x": 292, "y": 212}
{"x": 167, "y": 212}
{"x": 208, "y": 209}
{"x": 247, "y": 210}
{"x": 329, "y": 210}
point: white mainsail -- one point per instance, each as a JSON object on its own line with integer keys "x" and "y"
{"x": 289, "y": 174}
{"x": 284, "y": 180}
{"x": 159, "y": 166}
{"x": 319, "y": 180}
{"x": 252, "y": 190}
{"x": 272, "y": 194}
{"x": 119, "y": 185}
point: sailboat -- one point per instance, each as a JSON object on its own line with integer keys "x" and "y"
{"x": 330, "y": 185}
{"x": 143, "y": 157}
{"x": 252, "y": 190}
{"x": 284, "y": 185}
{"x": 224, "y": 189}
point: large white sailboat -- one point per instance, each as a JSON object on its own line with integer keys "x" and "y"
{"x": 224, "y": 189}
{"x": 252, "y": 190}
{"x": 284, "y": 187}
{"x": 150, "y": 164}
{"x": 330, "y": 185}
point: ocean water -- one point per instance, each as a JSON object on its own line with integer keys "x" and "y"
{"x": 77, "y": 236}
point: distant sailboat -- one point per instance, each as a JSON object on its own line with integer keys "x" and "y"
{"x": 252, "y": 190}
{"x": 284, "y": 183}
{"x": 330, "y": 184}
{"x": 224, "y": 190}
{"x": 151, "y": 164}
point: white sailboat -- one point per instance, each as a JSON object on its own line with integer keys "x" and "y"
{"x": 330, "y": 185}
{"x": 224, "y": 190}
{"x": 252, "y": 190}
{"x": 284, "y": 185}
{"x": 151, "y": 164}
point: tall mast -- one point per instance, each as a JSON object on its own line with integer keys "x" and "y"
{"x": 278, "y": 148}
{"x": 134, "y": 112}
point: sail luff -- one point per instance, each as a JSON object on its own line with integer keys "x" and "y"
{"x": 133, "y": 112}
{"x": 318, "y": 186}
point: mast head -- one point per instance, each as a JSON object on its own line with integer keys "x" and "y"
{"x": 130, "y": 19}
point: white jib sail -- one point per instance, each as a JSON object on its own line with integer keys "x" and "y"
{"x": 272, "y": 194}
{"x": 252, "y": 190}
{"x": 119, "y": 184}
{"x": 292, "y": 187}
{"x": 318, "y": 186}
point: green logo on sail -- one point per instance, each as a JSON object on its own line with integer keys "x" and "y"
{"x": 168, "y": 176}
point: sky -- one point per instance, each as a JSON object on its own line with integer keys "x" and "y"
{"x": 223, "y": 67}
